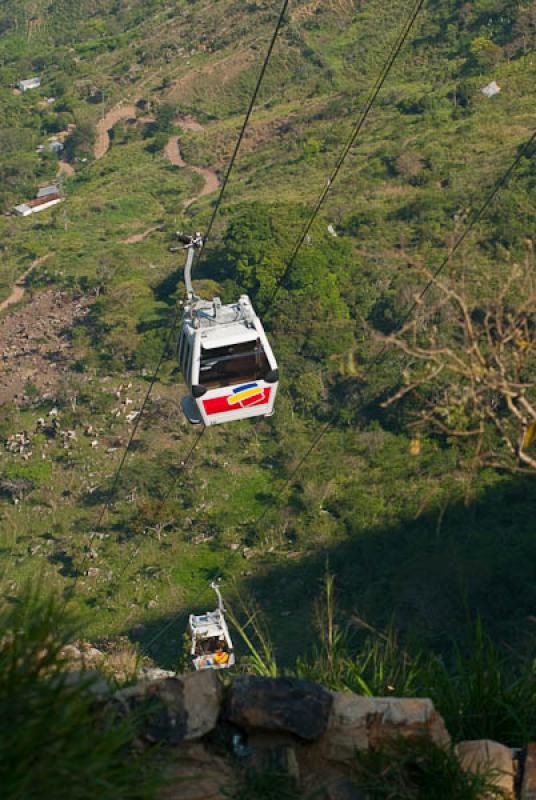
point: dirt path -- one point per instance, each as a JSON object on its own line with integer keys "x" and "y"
{"x": 64, "y": 168}
{"x": 173, "y": 153}
{"x": 116, "y": 114}
{"x": 134, "y": 238}
{"x": 19, "y": 287}
{"x": 190, "y": 123}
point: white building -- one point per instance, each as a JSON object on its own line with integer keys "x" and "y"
{"x": 38, "y": 204}
{"x": 46, "y": 191}
{"x": 491, "y": 89}
{"x": 29, "y": 83}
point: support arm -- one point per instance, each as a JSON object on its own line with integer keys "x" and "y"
{"x": 216, "y": 588}
{"x": 191, "y": 243}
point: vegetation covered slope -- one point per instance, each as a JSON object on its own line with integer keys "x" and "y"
{"x": 415, "y": 531}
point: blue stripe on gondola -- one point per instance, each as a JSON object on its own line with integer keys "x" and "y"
{"x": 244, "y": 387}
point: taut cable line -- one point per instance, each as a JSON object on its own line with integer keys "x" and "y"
{"x": 245, "y": 123}
{"x": 115, "y": 482}
{"x": 374, "y": 92}
{"x": 528, "y": 149}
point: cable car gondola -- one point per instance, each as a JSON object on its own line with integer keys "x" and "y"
{"x": 211, "y": 645}
{"x": 224, "y": 355}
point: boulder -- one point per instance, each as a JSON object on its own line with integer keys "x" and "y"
{"x": 357, "y": 723}
{"x": 485, "y": 755}
{"x": 92, "y": 681}
{"x": 175, "y": 709}
{"x": 279, "y": 704}
{"x": 155, "y": 673}
{"x": 408, "y": 717}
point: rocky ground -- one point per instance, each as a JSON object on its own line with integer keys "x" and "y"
{"x": 35, "y": 344}
{"x": 210, "y": 732}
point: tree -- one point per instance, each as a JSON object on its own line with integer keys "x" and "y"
{"x": 472, "y": 366}
{"x": 485, "y": 53}
{"x": 524, "y": 31}
{"x": 80, "y": 142}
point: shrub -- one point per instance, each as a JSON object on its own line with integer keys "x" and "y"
{"x": 419, "y": 770}
{"x": 482, "y": 693}
{"x": 52, "y": 739}
{"x": 38, "y": 472}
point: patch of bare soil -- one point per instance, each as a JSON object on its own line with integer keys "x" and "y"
{"x": 64, "y": 168}
{"x": 104, "y": 125}
{"x": 35, "y": 344}
{"x": 227, "y": 69}
{"x": 19, "y": 287}
{"x": 310, "y": 9}
{"x": 134, "y": 238}
{"x": 189, "y": 123}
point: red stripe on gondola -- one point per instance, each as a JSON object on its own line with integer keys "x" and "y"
{"x": 218, "y": 405}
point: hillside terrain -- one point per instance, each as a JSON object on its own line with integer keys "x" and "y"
{"x": 421, "y": 530}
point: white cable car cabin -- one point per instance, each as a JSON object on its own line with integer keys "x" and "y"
{"x": 225, "y": 357}
{"x": 211, "y": 645}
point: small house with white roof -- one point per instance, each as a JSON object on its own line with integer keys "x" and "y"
{"x": 29, "y": 83}
{"x": 47, "y": 197}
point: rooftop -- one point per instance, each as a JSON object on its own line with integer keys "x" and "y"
{"x": 235, "y": 322}
{"x": 41, "y": 201}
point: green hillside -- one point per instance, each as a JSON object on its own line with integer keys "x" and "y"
{"x": 421, "y": 530}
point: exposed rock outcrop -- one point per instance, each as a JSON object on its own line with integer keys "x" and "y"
{"x": 175, "y": 709}
{"x": 279, "y": 704}
{"x": 485, "y": 755}
{"x": 357, "y": 723}
{"x": 212, "y": 733}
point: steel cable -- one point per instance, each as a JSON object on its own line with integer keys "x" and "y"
{"x": 115, "y": 482}
{"x": 374, "y": 92}
{"x": 475, "y": 218}
{"x": 243, "y": 128}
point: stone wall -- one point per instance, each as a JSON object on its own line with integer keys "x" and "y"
{"x": 211, "y": 730}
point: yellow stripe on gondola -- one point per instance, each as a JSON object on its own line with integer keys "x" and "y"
{"x": 237, "y": 398}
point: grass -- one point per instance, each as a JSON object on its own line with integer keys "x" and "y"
{"x": 419, "y": 770}
{"x": 480, "y": 692}
{"x": 388, "y": 522}
{"x": 485, "y": 693}
{"x": 85, "y": 751}
{"x": 51, "y": 735}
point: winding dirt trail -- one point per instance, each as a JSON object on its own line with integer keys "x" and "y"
{"x": 173, "y": 153}
{"x": 19, "y": 287}
{"x": 104, "y": 125}
{"x": 134, "y": 238}
{"x": 64, "y": 168}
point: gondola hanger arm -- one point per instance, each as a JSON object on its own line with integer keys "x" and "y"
{"x": 191, "y": 244}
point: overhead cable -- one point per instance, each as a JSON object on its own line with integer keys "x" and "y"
{"x": 386, "y": 69}
{"x": 158, "y": 510}
{"x": 526, "y": 150}
{"x": 244, "y": 126}
{"x": 154, "y": 376}
{"x": 395, "y": 50}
